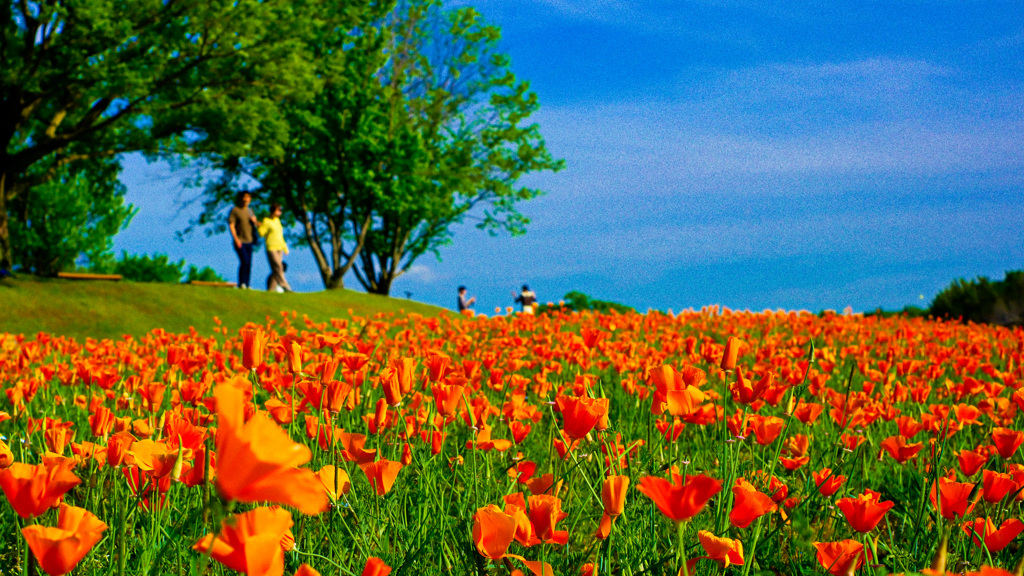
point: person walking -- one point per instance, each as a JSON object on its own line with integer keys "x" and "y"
{"x": 527, "y": 299}
{"x": 242, "y": 223}
{"x": 465, "y": 303}
{"x": 272, "y": 230}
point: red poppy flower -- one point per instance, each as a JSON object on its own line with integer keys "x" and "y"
{"x": 545, "y": 511}
{"x": 864, "y": 511}
{"x": 1007, "y": 441}
{"x": 749, "y": 504}
{"x": 841, "y": 558}
{"x": 580, "y": 414}
{"x": 897, "y": 447}
{"x": 376, "y": 567}
{"x": 971, "y": 461}
{"x": 955, "y": 498}
{"x": 996, "y": 486}
{"x": 827, "y": 482}
{"x": 254, "y": 345}
{"x": 994, "y": 539}
{"x": 680, "y": 502}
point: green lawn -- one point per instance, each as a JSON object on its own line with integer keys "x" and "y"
{"x": 101, "y": 309}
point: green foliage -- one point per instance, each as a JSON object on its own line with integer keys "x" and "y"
{"x": 420, "y": 125}
{"x": 146, "y": 268}
{"x": 89, "y": 79}
{"x": 578, "y": 302}
{"x": 204, "y": 274}
{"x": 983, "y": 300}
{"x": 72, "y": 217}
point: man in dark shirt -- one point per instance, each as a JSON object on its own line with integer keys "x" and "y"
{"x": 242, "y": 223}
{"x": 465, "y": 303}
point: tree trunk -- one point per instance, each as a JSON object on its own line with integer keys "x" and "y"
{"x": 335, "y": 281}
{"x": 6, "y": 254}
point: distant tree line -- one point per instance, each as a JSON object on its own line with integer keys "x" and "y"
{"x": 377, "y": 125}
{"x": 979, "y": 300}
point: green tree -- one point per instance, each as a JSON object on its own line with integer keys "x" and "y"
{"x": 71, "y": 216}
{"x": 460, "y": 140}
{"x": 87, "y": 79}
{"x": 420, "y": 125}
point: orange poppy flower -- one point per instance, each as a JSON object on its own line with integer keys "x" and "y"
{"x": 827, "y": 482}
{"x": 1007, "y": 441}
{"x": 543, "y": 484}
{"x": 32, "y": 490}
{"x": 731, "y": 353}
{"x": 971, "y": 461}
{"x": 250, "y": 542}
{"x": 680, "y": 502}
{"x": 746, "y": 392}
{"x": 447, "y": 398}
{"x": 749, "y": 504}
{"x": 726, "y": 551}
{"x": 580, "y": 414}
{"x": 613, "y": 494}
{"x": 545, "y": 511}
{"x": 101, "y": 422}
{"x": 864, "y": 511}
{"x": 306, "y": 570}
{"x": 381, "y": 475}
{"x": 676, "y": 391}
{"x": 6, "y": 456}
{"x": 254, "y": 344}
{"x": 258, "y": 461}
{"x": 994, "y": 539}
{"x": 493, "y": 531}
{"x": 792, "y": 464}
{"x": 117, "y": 449}
{"x": 58, "y": 550}
{"x": 519, "y": 431}
{"x": 841, "y": 558}
{"x": 292, "y": 347}
{"x": 155, "y": 458}
{"x": 376, "y": 567}
{"x": 897, "y": 447}
{"x": 955, "y": 498}
{"x": 335, "y": 481}
{"x": 996, "y": 486}
{"x": 766, "y": 429}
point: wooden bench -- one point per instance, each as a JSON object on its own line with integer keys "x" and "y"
{"x": 85, "y": 276}
{"x": 213, "y": 284}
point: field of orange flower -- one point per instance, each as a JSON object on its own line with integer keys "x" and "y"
{"x": 705, "y": 442}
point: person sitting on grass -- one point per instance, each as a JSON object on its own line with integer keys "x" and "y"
{"x": 465, "y": 303}
{"x": 527, "y": 299}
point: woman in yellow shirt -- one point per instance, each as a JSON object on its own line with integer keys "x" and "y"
{"x": 272, "y": 230}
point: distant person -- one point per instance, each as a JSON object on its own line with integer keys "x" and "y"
{"x": 527, "y": 299}
{"x": 242, "y": 223}
{"x": 465, "y": 303}
{"x": 272, "y": 230}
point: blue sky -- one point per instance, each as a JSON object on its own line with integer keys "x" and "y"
{"x": 797, "y": 155}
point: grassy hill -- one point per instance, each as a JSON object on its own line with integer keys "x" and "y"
{"x": 99, "y": 309}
